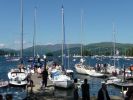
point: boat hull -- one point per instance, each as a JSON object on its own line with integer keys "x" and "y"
{"x": 63, "y": 84}
{"x": 17, "y": 83}
{"x": 121, "y": 84}
{"x": 17, "y": 78}
{"x": 79, "y": 69}
{"x": 91, "y": 72}
{"x": 60, "y": 80}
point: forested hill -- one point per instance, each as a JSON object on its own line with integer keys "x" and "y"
{"x": 107, "y": 48}
{"x": 103, "y": 48}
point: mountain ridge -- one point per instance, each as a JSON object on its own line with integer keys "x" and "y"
{"x": 75, "y": 48}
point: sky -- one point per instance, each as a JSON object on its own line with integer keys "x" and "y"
{"x": 98, "y": 18}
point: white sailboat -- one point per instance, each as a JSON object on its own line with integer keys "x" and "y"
{"x": 83, "y": 69}
{"x": 59, "y": 78}
{"x": 80, "y": 67}
{"x": 17, "y": 76}
{"x": 112, "y": 68}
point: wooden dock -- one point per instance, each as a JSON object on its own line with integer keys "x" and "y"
{"x": 48, "y": 93}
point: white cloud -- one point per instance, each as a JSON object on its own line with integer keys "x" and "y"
{"x": 19, "y": 42}
{"x": 2, "y": 45}
{"x": 49, "y": 43}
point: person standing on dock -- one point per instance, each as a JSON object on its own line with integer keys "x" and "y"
{"x": 1, "y": 97}
{"x": 44, "y": 77}
{"x": 30, "y": 84}
{"x": 129, "y": 93}
{"x": 75, "y": 92}
{"x": 85, "y": 90}
{"x": 103, "y": 93}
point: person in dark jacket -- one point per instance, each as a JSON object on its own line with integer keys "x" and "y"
{"x": 75, "y": 92}
{"x": 44, "y": 77}
{"x": 9, "y": 97}
{"x": 103, "y": 93}
{"x": 129, "y": 93}
{"x": 1, "y": 97}
{"x": 85, "y": 90}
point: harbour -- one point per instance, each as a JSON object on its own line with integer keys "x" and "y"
{"x": 54, "y": 93}
{"x": 50, "y": 63}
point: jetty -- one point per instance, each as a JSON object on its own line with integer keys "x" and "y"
{"x": 49, "y": 93}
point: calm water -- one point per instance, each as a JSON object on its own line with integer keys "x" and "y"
{"x": 95, "y": 83}
{"x": 5, "y": 66}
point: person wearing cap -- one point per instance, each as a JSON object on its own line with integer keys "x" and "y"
{"x": 103, "y": 93}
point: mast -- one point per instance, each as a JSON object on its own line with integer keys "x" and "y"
{"x": 34, "y": 35}
{"x": 21, "y": 52}
{"x": 81, "y": 32}
{"x": 68, "y": 57}
{"x": 63, "y": 33}
{"x": 114, "y": 40}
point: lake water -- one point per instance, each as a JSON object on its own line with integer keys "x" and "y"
{"x": 95, "y": 83}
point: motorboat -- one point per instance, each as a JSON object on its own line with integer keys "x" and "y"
{"x": 112, "y": 80}
{"x": 17, "y": 77}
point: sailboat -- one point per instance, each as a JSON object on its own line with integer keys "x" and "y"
{"x": 113, "y": 68}
{"x": 17, "y": 76}
{"x": 59, "y": 78}
{"x": 80, "y": 67}
{"x": 34, "y": 58}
